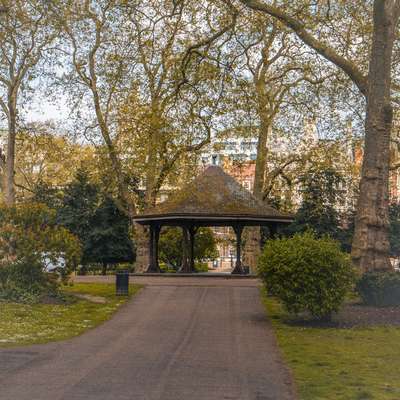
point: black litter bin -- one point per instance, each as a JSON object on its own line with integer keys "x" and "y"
{"x": 122, "y": 283}
{"x": 246, "y": 269}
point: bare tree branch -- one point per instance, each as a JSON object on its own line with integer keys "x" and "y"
{"x": 319, "y": 46}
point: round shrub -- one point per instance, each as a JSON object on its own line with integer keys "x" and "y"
{"x": 380, "y": 288}
{"x": 307, "y": 273}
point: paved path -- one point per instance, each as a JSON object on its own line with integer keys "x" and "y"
{"x": 171, "y": 280}
{"x": 170, "y": 342}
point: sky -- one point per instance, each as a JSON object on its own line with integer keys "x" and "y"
{"x": 44, "y": 110}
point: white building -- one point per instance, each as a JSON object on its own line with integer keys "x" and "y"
{"x": 240, "y": 149}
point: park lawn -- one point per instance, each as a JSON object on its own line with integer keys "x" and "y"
{"x": 339, "y": 364}
{"x": 23, "y": 324}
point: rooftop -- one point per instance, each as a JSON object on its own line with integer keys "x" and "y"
{"x": 213, "y": 196}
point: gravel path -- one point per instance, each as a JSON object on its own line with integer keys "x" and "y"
{"x": 170, "y": 342}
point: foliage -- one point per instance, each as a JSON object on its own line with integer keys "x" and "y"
{"x": 306, "y": 273}
{"x": 47, "y": 194}
{"x": 96, "y": 220}
{"x": 29, "y": 231}
{"x": 338, "y": 363}
{"x": 394, "y": 229}
{"x": 29, "y": 241}
{"x": 171, "y": 242}
{"x": 380, "y": 288}
{"x": 201, "y": 267}
{"x": 108, "y": 240}
{"x": 321, "y": 196}
{"x": 47, "y": 161}
{"x": 26, "y": 282}
{"x": 26, "y": 33}
{"x": 44, "y": 323}
{"x": 80, "y": 201}
{"x": 347, "y": 230}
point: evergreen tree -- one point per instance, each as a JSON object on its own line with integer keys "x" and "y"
{"x": 108, "y": 240}
{"x": 321, "y": 197}
{"x": 101, "y": 228}
{"x": 48, "y": 195}
{"x": 80, "y": 201}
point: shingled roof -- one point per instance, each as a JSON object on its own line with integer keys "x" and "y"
{"x": 213, "y": 195}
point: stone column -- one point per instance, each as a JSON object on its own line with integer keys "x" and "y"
{"x": 192, "y": 232}
{"x": 186, "y": 265}
{"x": 153, "y": 248}
{"x": 238, "y": 267}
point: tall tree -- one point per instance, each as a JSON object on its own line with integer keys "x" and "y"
{"x": 25, "y": 35}
{"x": 370, "y": 245}
{"x": 167, "y": 119}
{"x": 278, "y": 67}
{"x": 100, "y": 57}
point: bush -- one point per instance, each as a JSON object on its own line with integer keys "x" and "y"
{"x": 306, "y": 273}
{"x": 29, "y": 234}
{"x": 30, "y": 244}
{"x": 201, "y": 267}
{"x": 380, "y": 288}
{"x": 26, "y": 282}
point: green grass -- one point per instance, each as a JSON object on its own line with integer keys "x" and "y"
{"x": 22, "y": 324}
{"x": 339, "y": 364}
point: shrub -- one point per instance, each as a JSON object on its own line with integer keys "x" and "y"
{"x": 26, "y": 282}
{"x": 306, "y": 273}
{"x": 31, "y": 242}
{"x": 29, "y": 233}
{"x": 380, "y": 288}
{"x": 201, "y": 267}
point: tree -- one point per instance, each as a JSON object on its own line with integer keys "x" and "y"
{"x": 80, "y": 201}
{"x": 171, "y": 244}
{"x": 44, "y": 193}
{"x": 46, "y": 158}
{"x": 100, "y": 57}
{"x": 321, "y": 196}
{"x": 370, "y": 245}
{"x": 274, "y": 74}
{"x": 25, "y": 35}
{"x": 108, "y": 240}
{"x": 95, "y": 219}
{"x": 170, "y": 113}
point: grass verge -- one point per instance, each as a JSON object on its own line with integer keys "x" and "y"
{"x": 339, "y": 364}
{"x": 23, "y": 324}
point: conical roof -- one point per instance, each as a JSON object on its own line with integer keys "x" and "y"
{"x": 214, "y": 195}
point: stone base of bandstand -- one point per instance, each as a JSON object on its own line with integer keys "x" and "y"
{"x": 252, "y": 249}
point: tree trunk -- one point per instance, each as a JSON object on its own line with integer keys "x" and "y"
{"x": 10, "y": 159}
{"x": 104, "y": 269}
{"x": 252, "y": 248}
{"x": 186, "y": 266}
{"x": 370, "y": 248}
